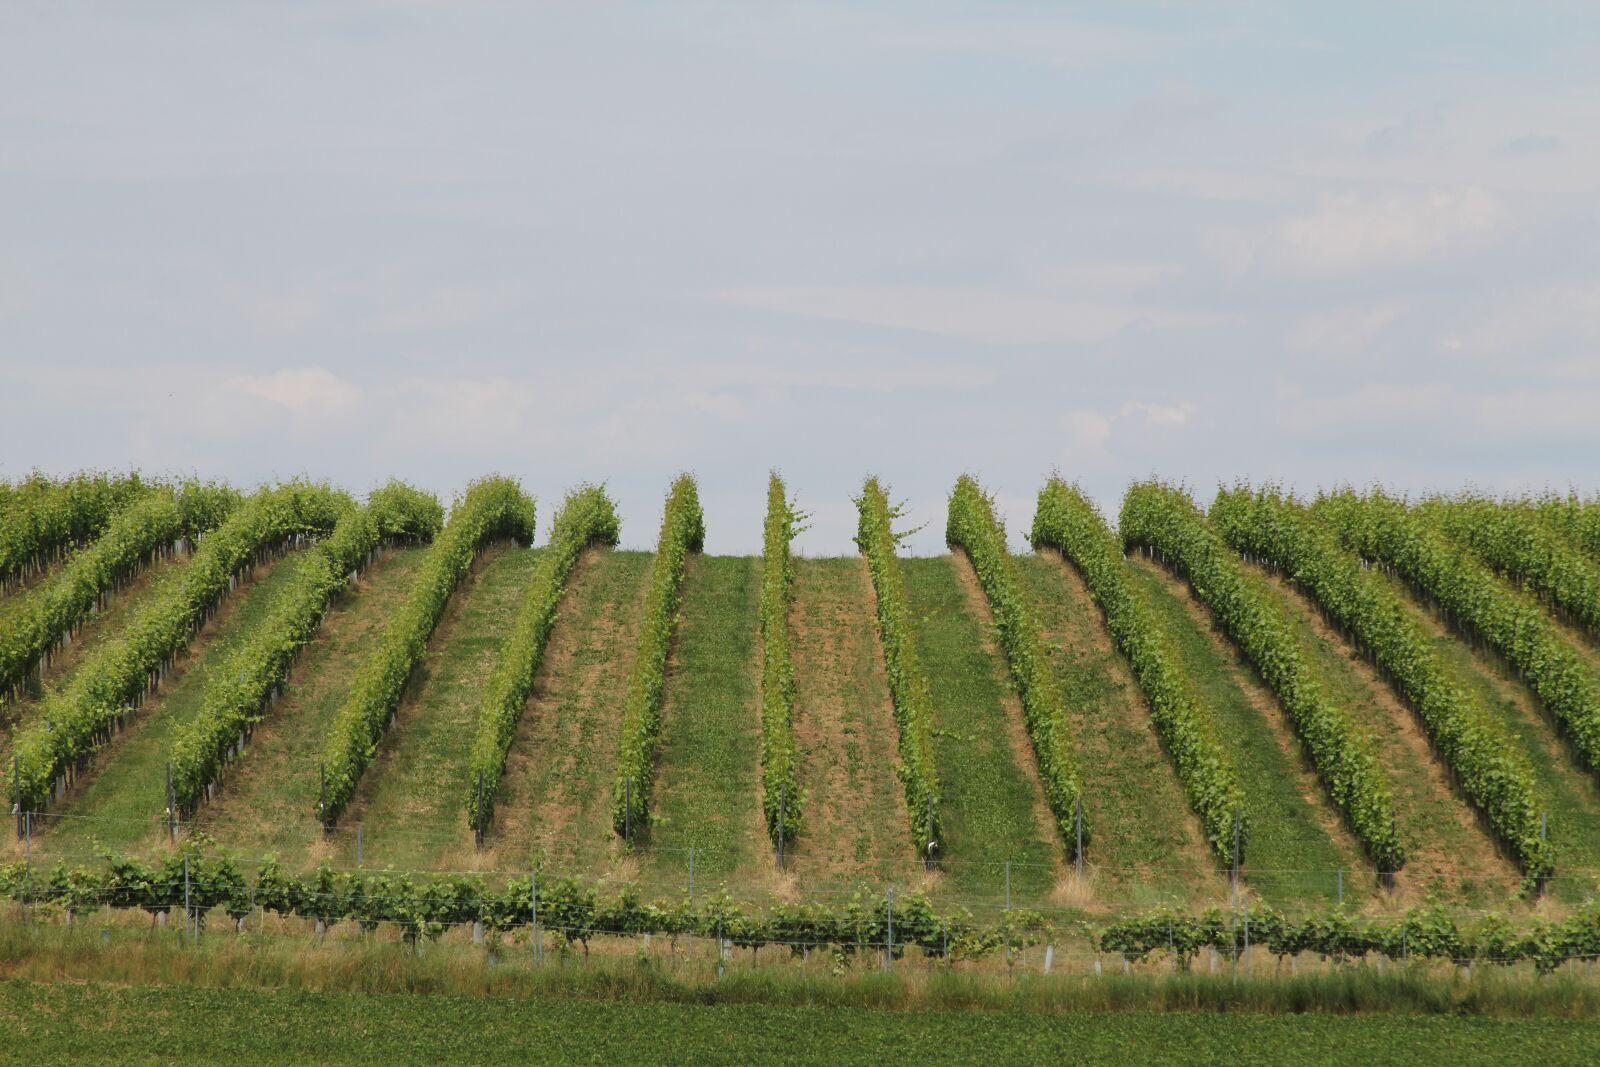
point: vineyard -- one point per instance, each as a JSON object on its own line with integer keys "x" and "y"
{"x": 1340, "y": 724}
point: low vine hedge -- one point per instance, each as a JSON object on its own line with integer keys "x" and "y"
{"x": 1069, "y": 522}
{"x": 1381, "y": 528}
{"x": 1268, "y": 526}
{"x": 587, "y": 517}
{"x": 41, "y": 519}
{"x": 493, "y": 509}
{"x": 971, "y": 525}
{"x": 1575, "y": 517}
{"x": 113, "y": 682}
{"x": 682, "y": 531}
{"x": 237, "y": 697}
{"x": 1163, "y": 518}
{"x": 908, "y": 686}
{"x": 782, "y": 801}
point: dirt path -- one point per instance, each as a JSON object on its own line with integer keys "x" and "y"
{"x": 555, "y": 804}
{"x": 856, "y": 824}
{"x": 1450, "y": 857}
{"x": 1145, "y": 842}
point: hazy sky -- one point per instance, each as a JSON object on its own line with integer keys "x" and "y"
{"x": 610, "y": 242}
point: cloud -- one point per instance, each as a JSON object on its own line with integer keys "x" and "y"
{"x": 1355, "y": 232}
{"x": 301, "y": 390}
{"x": 1091, "y": 428}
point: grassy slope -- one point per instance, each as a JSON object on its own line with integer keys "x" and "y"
{"x": 990, "y": 807}
{"x": 411, "y": 803}
{"x": 72, "y": 1023}
{"x": 556, "y": 795}
{"x": 707, "y": 788}
{"x": 268, "y": 800}
{"x": 121, "y": 805}
{"x": 1571, "y": 794}
{"x": 1449, "y": 854}
{"x": 1292, "y": 830}
{"x": 855, "y": 817}
{"x": 1133, "y": 802}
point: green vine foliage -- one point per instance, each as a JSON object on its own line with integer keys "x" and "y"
{"x": 238, "y": 696}
{"x": 683, "y": 531}
{"x": 1268, "y": 526}
{"x": 1512, "y": 539}
{"x": 112, "y": 683}
{"x": 1069, "y": 522}
{"x": 42, "y": 519}
{"x": 1383, "y": 529}
{"x": 493, "y": 509}
{"x": 971, "y": 525}
{"x": 781, "y": 798}
{"x": 908, "y": 686}
{"x": 154, "y": 525}
{"x": 1576, "y": 518}
{"x": 1164, "y": 519}
{"x": 587, "y": 517}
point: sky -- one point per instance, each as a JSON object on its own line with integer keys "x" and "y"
{"x": 1312, "y": 244}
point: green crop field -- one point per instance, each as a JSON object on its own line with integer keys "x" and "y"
{"x": 1372, "y": 722}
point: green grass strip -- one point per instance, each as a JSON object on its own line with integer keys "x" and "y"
{"x": 972, "y": 526}
{"x": 1069, "y": 522}
{"x": 1273, "y": 528}
{"x": 1382, "y": 528}
{"x": 492, "y": 509}
{"x": 147, "y": 528}
{"x": 1164, "y": 519}
{"x": 587, "y": 517}
{"x": 113, "y": 682}
{"x": 908, "y": 686}
{"x": 238, "y": 696}
{"x": 683, "y": 531}
{"x": 781, "y": 799}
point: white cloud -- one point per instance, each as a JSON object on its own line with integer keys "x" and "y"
{"x": 1354, "y": 231}
{"x": 302, "y": 390}
{"x": 1091, "y": 428}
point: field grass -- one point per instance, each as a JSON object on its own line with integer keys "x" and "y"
{"x": 99, "y": 1023}
{"x": 1295, "y": 844}
{"x": 268, "y": 798}
{"x": 122, "y": 802}
{"x": 1146, "y": 844}
{"x": 992, "y": 807}
{"x": 1451, "y": 857}
{"x": 411, "y": 803}
{"x": 708, "y": 770}
{"x": 1570, "y": 793}
{"x": 856, "y": 825}
{"x": 556, "y": 794}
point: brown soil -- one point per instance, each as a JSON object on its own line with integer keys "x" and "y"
{"x": 856, "y": 819}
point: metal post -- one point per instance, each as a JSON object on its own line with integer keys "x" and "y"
{"x": 186, "y": 911}
{"x": 322, "y": 804}
{"x": 538, "y": 942}
{"x": 1008, "y": 885}
{"x": 933, "y": 842}
{"x": 627, "y": 809}
{"x": 16, "y": 780}
{"x": 1077, "y": 827}
{"x": 172, "y": 814}
{"x": 888, "y": 955}
{"x": 1247, "y": 934}
{"x": 27, "y": 862}
{"x": 783, "y": 799}
{"x": 477, "y": 829}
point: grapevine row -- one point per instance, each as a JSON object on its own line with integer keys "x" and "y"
{"x": 908, "y": 686}
{"x": 493, "y": 509}
{"x": 159, "y": 523}
{"x": 1275, "y": 529}
{"x": 42, "y": 519}
{"x": 1511, "y": 539}
{"x": 238, "y": 695}
{"x": 1576, "y": 518}
{"x": 1383, "y": 529}
{"x": 972, "y": 526}
{"x": 682, "y": 531}
{"x": 112, "y": 683}
{"x": 781, "y": 799}
{"x": 587, "y": 517}
{"x": 1068, "y": 521}
{"x": 1165, "y": 520}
